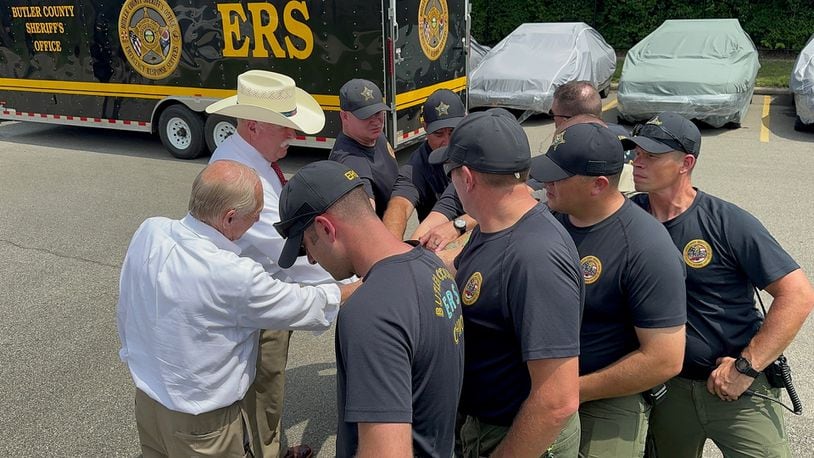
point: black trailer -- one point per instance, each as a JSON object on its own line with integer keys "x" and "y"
{"x": 154, "y": 65}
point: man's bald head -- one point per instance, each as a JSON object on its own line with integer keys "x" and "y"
{"x": 222, "y": 186}
{"x": 577, "y": 98}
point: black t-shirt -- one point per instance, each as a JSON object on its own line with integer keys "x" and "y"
{"x": 727, "y": 251}
{"x": 634, "y": 276}
{"x": 375, "y": 166}
{"x": 522, "y": 292}
{"x": 449, "y": 204}
{"x": 420, "y": 182}
{"x": 400, "y": 353}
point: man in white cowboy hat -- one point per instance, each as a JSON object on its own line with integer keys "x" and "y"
{"x": 269, "y": 108}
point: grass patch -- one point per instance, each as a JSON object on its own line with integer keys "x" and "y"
{"x": 772, "y": 73}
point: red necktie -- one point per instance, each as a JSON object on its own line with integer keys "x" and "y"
{"x": 279, "y": 173}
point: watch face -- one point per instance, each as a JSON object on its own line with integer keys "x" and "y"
{"x": 741, "y": 365}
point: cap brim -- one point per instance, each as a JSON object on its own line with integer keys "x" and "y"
{"x": 443, "y": 123}
{"x": 291, "y": 250}
{"x": 544, "y": 170}
{"x": 647, "y": 144}
{"x": 438, "y": 155}
{"x": 370, "y": 110}
{"x": 309, "y": 117}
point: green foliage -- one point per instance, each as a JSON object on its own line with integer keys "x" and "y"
{"x": 772, "y": 24}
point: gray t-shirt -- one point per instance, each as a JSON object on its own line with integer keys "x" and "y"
{"x": 634, "y": 276}
{"x": 522, "y": 293}
{"x": 726, "y": 251}
{"x": 400, "y": 353}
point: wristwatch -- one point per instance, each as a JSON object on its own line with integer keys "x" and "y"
{"x": 460, "y": 224}
{"x": 743, "y": 366}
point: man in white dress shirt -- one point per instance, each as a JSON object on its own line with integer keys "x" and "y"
{"x": 269, "y": 108}
{"x": 189, "y": 314}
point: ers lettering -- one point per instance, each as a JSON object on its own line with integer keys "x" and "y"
{"x": 268, "y": 26}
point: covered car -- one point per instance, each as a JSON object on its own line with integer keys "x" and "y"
{"x": 523, "y": 70}
{"x": 802, "y": 84}
{"x": 703, "y": 69}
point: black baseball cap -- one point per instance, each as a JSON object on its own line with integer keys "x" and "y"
{"x": 587, "y": 149}
{"x": 666, "y": 132}
{"x": 308, "y": 194}
{"x": 490, "y": 141}
{"x": 443, "y": 109}
{"x": 362, "y": 98}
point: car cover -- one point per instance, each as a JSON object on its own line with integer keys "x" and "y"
{"x": 703, "y": 69}
{"x": 477, "y": 52}
{"x": 524, "y": 69}
{"x": 802, "y": 83}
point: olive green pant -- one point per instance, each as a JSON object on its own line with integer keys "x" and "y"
{"x": 481, "y": 439}
{"x": 689, "y": 414}
{"x": 615, "y": 427}
{"x": 166, "y": 433}
{"x": 264, "y": 399}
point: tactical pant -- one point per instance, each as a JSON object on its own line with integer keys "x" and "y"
{"x": 615, "y": 427}
{"x": 166, "y": 433}
{"x": 481, "y": 439}
{"x": 689, "y": 414}
{"x": 264, "y": 400}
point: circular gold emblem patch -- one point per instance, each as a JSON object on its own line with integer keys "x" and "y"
{"x": 472, "y": 289}
{"x": 591, "y": 269}
{"x": 150, "y": 37}
{"x": 433, "y": 27}
{"x": 697, "y": 253}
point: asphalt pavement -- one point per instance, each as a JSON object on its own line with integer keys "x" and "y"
{"x": 72, "y": 198}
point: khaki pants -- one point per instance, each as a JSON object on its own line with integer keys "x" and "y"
{"x": 165, "y": 433}
{"x": 264, "y": 400}
{"x": 748, "y": 427}
{"x": 481, "y": 439}
{"x": 615, "y": 427}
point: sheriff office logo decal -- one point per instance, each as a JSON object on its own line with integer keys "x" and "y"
{"x": 697, "y": 253}
{"x": 433, "y": 27}
{"x": 471, "y": 290}
{"x": 150, "y": 37}
{"x": 591, "y": 269}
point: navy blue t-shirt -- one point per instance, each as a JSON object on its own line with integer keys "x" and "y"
{"x": 522, "y": 293}
{"x": 400, "y": 353}
{"x": 634, "y": 276}
{"x": 727, "y": 251}
{"x": 449, "y": 204}
{"x": 375, "y": 166}
{"x": 420, "y": 182}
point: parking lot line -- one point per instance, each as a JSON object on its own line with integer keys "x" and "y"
{"x": 764, "y": 120}
{"x": 610, "y": 105}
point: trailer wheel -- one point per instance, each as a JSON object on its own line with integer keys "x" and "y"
{"x": 217, "y": 129}
{"x": 181, "y": 131}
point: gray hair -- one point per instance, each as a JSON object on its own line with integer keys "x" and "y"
{"x": 220, "y": 187}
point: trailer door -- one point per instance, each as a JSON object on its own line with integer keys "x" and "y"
{"x": 425, "y": 51}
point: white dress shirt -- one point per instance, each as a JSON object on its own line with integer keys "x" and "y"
{"x": 190, "y": 310}
{"x": 262, "y": 242}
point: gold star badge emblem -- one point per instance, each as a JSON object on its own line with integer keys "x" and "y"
{"x": 367, "y": 93}
{"x": 655, "y": 121}
{"x": 442, "y": 109}
{"x": 559, "y": 139}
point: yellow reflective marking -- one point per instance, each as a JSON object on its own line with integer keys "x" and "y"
{"x": 610, "y": 105}
{"x": 158, "y": 92}
{"x": 764, "y": 120}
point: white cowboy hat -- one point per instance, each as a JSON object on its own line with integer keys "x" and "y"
{"x": 273, "y": 98}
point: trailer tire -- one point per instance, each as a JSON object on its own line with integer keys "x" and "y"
{"x": 217, "y": 129}
{"x": 181, "y": 131}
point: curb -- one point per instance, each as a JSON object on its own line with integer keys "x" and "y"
{"x": 758, "y": 90}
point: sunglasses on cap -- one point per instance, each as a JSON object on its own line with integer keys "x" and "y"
{"x": 639, "y": 127}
